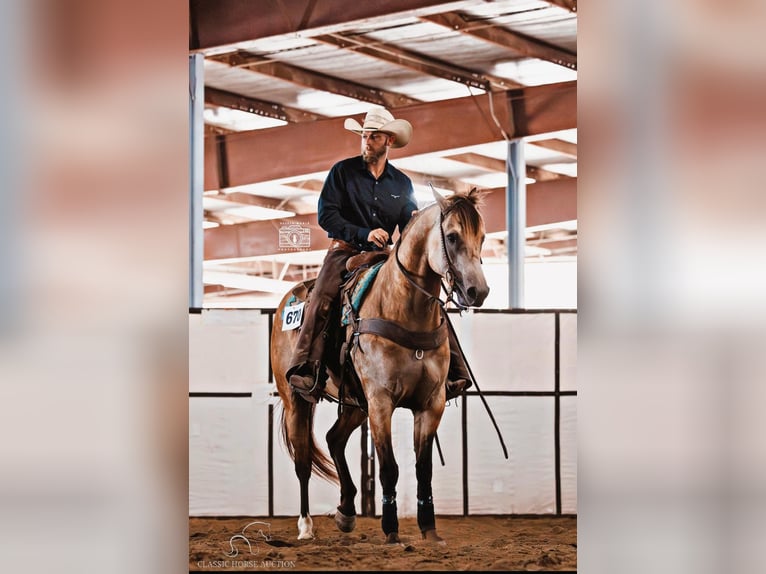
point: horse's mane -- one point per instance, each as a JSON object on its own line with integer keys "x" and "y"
{"x": 463, "y": 204}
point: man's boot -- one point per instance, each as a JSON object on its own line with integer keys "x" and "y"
{"x": 304, "y": 380}
{"x": 304, "y": 376}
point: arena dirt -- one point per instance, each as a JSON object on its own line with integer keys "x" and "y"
{"x": 499, "y": 543}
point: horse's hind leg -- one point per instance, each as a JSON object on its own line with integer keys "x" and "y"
{"x": 297, "y": 424}
{"x": 426, "y": 423}
{"x": 337, "y": 439}
{"x": 380, "y": 428}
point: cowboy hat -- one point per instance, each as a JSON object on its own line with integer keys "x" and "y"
{"x": 379, "y": 119}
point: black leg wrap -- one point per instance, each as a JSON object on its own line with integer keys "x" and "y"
{"x": 426, "y": 520}
{"x": 389, "y": 521}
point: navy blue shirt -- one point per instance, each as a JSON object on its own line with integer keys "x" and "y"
{"x": 353, "y": 202}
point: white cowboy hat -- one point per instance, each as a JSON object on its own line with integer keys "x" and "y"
{"x": 379, "y": 119}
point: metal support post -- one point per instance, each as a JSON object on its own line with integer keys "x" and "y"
{"x": 516, "y": 221}
{"x": 196, "y": 182}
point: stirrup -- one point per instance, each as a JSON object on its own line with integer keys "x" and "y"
{"x": 310, "y": 395}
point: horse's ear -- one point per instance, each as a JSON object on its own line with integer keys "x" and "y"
{"x": 439, "y": 199}
{"x": 476, "y": 196}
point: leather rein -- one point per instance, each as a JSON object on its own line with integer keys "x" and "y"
{"x": 418, "y": 340}
{"x": 450, "y": 275}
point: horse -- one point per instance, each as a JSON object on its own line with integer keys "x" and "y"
{"x": 441, "y": 242}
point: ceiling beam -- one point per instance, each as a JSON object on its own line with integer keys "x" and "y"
{"x": 478, "y": 160}
{"x": 565, "y": 147}
{"x": 308, "y": 185}
{"x": 499, "y": 165}
{"x": 521, "y": 43}
{"x": 241, "y": 198}
{"x": 313, "y": 80}
{"x": 223, "y": 218}
{"x": 552, "y": 202}
{"x": 234, "y": 101}
{"x": 570, "y": 5}
{"x": 216, "y": 24}
{"x": 540, "y": 174}
{"x": 555, "y": 244}
{"x": 549, "y": 202}
{"x": 417, "y": 62}
{"x": 437, "y": 180}
{"x": 259, "y": 155}
{"x": 259, "y": 237}
{"x": 213, "y": 130}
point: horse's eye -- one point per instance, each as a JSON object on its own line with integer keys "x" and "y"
{"x": 452, "y": 237}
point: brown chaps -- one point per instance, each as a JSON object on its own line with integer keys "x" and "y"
{"x": 311, "y": 338}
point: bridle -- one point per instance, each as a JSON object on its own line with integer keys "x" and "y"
{"x": 449, "y": 275}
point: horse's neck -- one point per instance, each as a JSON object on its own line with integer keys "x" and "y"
{"x": 413, "y": 248}
{"x": 411, "y": 303}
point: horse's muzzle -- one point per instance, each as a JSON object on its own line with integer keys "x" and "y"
{"x": 472, "y": 296}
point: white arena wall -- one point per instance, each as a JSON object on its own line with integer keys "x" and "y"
{"x": 524, "y": 362}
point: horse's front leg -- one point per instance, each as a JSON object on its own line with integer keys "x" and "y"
{"x": 426, "y": 423}
{"x": 380, "y": 411}
{"x": 337, "y": 439}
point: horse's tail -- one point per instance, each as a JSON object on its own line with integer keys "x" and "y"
{"x": 320, "y": 463}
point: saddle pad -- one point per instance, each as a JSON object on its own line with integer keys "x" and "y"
{"x": 299, "y": 295}
{"x": 359, "y": 287}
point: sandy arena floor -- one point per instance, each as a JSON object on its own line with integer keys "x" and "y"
{"x": 504, "y": 543}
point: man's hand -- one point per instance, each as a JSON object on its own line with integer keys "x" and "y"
{"x": 378, "y": 236}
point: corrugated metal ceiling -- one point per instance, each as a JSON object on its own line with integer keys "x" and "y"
{"x": 537, "y": 21}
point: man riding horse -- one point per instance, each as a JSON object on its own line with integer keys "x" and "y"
{"x": 363, "y": 200}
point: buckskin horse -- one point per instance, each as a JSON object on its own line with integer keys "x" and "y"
{"x": 402, "y": 365}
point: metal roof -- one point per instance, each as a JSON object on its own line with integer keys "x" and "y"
{"x": 284, "y": 63}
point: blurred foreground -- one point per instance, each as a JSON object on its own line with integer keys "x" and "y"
{"x": 93, "y": 286}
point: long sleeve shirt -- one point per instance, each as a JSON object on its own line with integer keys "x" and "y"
{"x": 353, "y": 203}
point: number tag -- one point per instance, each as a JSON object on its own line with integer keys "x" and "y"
{"x": 292, "y": 317}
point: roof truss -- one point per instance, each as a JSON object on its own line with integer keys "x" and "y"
{"x": 314, "y": 80}
{"x": 524, "y": 45}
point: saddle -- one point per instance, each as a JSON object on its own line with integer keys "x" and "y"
{"x": 363, "y": 269}
{"x": 366, "y": 259}
{"x": 354, "y": 289}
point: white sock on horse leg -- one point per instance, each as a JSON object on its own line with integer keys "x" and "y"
{"x": 305, "y": 528}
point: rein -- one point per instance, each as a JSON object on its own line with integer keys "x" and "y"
{"x": 408, "y": 277}
{"x": 449, "y": 289}
{"x": 450, "y": 274}
{"x": 418, "y": 340}
{"x": 424, "y": 339}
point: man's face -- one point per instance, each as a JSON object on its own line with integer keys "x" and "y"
{"x": 374, "y": 145}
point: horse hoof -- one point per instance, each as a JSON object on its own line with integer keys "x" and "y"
{"x": 345, "y": 523}
{"x": 431, "y": 536}
{"x": 305, "y": 528}
{"x": 392, "y": 538}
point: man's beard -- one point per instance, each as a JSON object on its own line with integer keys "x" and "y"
{"x": 373, "y": 156}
